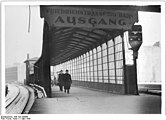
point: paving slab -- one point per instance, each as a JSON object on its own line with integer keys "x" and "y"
{"x": 86, "y": 101}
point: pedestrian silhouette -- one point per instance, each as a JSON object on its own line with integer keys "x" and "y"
{"x": 67, "y": 81}
{"x": 61, "y": 80}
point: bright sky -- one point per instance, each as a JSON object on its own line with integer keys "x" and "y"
{"x": 151, "y": 27}
{"x": 18, "y": 42}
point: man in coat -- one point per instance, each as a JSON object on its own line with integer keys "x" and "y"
{"x": 67, "y": 81}
{"x": 61, "y": 80}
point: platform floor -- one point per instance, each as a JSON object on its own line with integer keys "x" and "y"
{"x": 86, "y": 101}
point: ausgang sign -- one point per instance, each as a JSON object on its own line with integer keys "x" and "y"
{"x": 63, "y": 16}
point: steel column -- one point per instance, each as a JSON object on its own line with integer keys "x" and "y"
{"x": 97, "y": 65}
{"x": 115, "y": 59}
{"x": 81, "y": 66}
{"x": 102, "y": 63}
{"x": 124, "y": 64}
{"x": 108, "y": 63}
{"x": 89, "y": 66}
{"x": 93, "y": 65}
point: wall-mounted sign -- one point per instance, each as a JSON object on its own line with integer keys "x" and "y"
{"x": 64, "y": 16}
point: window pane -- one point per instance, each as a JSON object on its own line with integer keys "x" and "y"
{"x": 111, "y": 65}
{"x": 95, "y": 73}
{"x": 112, "y": 81}
{"x": 110, "y": 43}
{"x": 119, "y": 72}
{"x": 105, "y": 52}
{"x": 99, "y": 67}
{"x": 106, "y": 73}
{"x": 95, "y": 62}
{"x": 105, "y": 67}
{"x": 99, "y": 54}
{"x": 100, "y": 79}
{"x": 111, "y": 73}
{"x": 100, "y": 73}
{"x": 99, "y": 61}
{"x": 98, "y": 48}
{"x": 110, "y": 50}
{"x": 95, "y": 68}
{"x": 119, "y": 64}
{"x": 105, "y": 59}
{"x": 94, "y": 56}
{"x": 111, "y": 57}
{"x": 106, "y": 80}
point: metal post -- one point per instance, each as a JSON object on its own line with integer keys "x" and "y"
{"x": 75, "y": 68}
{"x": 115, "y": 60}
{"x": 102, "y": 64}
{"x": 84, "y": 67}
{"x": 135, "y": 71}
{"x": 93, "y": 65}
{"x": 72, "y": 67}
{"x": 124, "y": 65}
{"x": 83, "y": 70}
{"x": 108, "y": 63}
{"x": 81, "y": 67}
{"x": 97, "y": 65}
{"x": 89, "y": 67}
{"x": 70, "y": 64}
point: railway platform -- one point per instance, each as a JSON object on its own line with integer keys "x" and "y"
{"x": 88, "y": 101}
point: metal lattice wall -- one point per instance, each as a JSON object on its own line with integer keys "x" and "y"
{"x": 103, "y": 64}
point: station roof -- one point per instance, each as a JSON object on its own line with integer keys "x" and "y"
{"x": 68, "y": 42}
{"x": 31, "y": 59}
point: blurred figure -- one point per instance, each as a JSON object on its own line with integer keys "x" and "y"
{"x": 6, "y": 90}
{"x": 55, "y": 81}
{"x": 61, "y": 80}
{"x": 67, "y": 81}
{"x": 52, "y": 82}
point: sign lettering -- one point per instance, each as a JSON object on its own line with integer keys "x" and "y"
{"x": 90, "y": 18}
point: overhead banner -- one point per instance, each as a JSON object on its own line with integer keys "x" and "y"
{"x": 64, "y": 16}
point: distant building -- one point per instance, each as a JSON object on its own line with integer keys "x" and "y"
{"x": 157, "y": 44}
{"x": 11, "y": 74}
{"x": 30, "y": 69}
{"x": 15, "y": 73}
{"x": 149, "y": 64}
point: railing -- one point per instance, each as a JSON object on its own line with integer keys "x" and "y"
{"x": 40, "y": 90}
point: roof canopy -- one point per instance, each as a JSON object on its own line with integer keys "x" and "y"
{"x": 74, "y": 30}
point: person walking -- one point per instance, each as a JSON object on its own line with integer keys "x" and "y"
{"x": 67, "y": 81}
{"x": 61, "y": 80}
